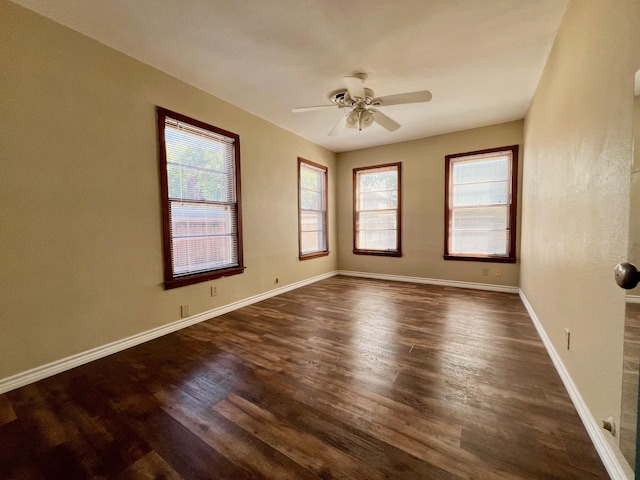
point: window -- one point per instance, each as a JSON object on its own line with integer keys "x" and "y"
{"x": 312, "y": 210}
{"x": 480, "y": 205}
{"x": 376, "y": 216}
{"x": 200, "y": 173}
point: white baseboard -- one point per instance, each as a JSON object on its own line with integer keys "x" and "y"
{"x": 44, "y": 371}
{"x": 607, "y": 455}
{"x": 432, "y": 281}
{"x": 633, "y": 298}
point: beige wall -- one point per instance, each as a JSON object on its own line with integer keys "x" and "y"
{"x": 578, "y": 149}
{"x": 634, "y": 202}
{"x": 422, "y": 206}
{"x": 79, "y": 192}
{"x": 636, "y": 134}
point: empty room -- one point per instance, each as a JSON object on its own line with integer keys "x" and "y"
{"x": 337, "y": 240}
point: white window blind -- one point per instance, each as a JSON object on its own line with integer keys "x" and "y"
{"x": 313, "y": 208}
{"x": 377, "y": 209}
{"x": 202, "y": 199}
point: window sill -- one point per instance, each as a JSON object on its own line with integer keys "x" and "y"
{"x": 309, "y": 256}
{"x": 379, "y": 253}
{"x": 201, "y": 277}
{"x": 480, "y": 259}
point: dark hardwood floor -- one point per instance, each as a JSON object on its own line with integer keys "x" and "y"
{"x": 346, "y": 378}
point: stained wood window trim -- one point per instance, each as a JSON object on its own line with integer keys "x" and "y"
{"x": 397, "y": 251}
{"x": 171, "y": 278}
{"x": 510, "y": 256}
{"x": 322, "y": 211}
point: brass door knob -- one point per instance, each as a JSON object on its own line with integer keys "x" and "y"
{"x": 627, "y": 276}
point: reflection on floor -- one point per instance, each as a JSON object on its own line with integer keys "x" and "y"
{"x": 630, "y": 382}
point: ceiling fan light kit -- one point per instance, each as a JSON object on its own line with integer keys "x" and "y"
{"x": 359, "y": 119}
{"x": 361, "y": 101}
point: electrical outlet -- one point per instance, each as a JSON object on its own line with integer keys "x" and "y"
{"x": 214, "y": 291}
{"x": 485, "y": 272}
{"x": 185, "y": 310}
{"x": 567, "y": 334}
{"x": 498, "y": 272}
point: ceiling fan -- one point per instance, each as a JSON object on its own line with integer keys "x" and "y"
{"x": 363, "y": 105}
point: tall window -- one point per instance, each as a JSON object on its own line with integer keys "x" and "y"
{"x": 481, "y": 192}
{"x": 200, "y": 173}
{"x": 377, "y": 214}
{"x": 312, "y": 209}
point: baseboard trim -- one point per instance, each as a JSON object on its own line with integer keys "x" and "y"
{"x": 431, "y": 281}
{"x": 633, "y": 298}
{"x": 53, "y": 368}
{"x": 607, "y": 455}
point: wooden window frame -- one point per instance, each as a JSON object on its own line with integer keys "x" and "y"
{"x": 510, "y": 257}
{"x": 385, "y": 253}
{"x": 324, "y": 210}
{"x": 170, "y": 279}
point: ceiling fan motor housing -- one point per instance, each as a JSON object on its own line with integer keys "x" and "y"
{"x": 342, "y": 99}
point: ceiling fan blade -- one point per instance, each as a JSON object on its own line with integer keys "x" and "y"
{"x": 338, "y": 127}
{"x": 384, "y": 121}
{"x": 402, "y": 98}
{"x": 355, "y": 86}
{"x": 311, "y": 108}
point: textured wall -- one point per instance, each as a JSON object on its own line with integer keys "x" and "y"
{"x": 578, "y": 150}
{"x": 634, "y": 202}
{"x": 80, "y": 199}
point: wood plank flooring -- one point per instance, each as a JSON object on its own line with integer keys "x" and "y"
{"x": 343, "y": 379}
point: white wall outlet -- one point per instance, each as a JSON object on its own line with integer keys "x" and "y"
{"x": 485, "y": 272}
{"x": 214, "y": 291}
{"x": 185, "y": 310}
{"x": 498, "y": 272}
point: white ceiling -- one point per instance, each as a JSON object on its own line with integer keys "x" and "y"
{"x": 481, "y": 59}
